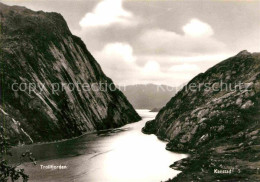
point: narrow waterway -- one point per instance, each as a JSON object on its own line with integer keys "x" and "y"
{"x": 118, "y": 155}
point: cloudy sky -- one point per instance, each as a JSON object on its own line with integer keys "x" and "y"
{"x": 158, "y": 41}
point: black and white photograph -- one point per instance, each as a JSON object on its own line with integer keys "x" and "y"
{"x": 129, "y": 90}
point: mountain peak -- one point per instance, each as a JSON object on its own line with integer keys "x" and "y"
{"x": 212, "y": 121}
{"x": 243, "y": 53}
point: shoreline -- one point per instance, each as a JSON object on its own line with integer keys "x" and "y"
{"x": 63, "y": 140}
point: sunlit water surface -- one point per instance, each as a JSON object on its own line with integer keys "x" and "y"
{"x": 119, "y": 155}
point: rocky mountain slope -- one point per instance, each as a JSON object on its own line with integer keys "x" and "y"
{"x": 51, "y": 86}
{"x": 215, "y": 118}
{"x": 148, "y": 96}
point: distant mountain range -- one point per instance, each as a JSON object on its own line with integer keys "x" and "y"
{"x": 148, "y": 96}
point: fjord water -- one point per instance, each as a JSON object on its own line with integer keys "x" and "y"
{"x": 124, "y": 154}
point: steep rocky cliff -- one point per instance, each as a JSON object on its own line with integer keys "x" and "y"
{"x": 215, "y": 118}
{"x": 51, "y": 86}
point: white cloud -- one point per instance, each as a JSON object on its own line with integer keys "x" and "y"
{"x": 196, "y": 40}
{"x": 151, "y": 67}
{"x": 119, "y": 50}
{"x": 164, "y": 57}
{"x": 184, "y": 64}
{"x": 184, "y": 68}
{"x": 207, "y": 58}
{"x": 119, "y": 62}
{"x": 197, "y": 28}
{"x": 105, "y": 13}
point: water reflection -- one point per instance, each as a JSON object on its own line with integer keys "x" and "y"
{"x": 124, "y": 154}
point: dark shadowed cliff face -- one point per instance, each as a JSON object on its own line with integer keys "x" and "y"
{"x": 72, "y": 94}
{"x": 216, "y": 119}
